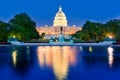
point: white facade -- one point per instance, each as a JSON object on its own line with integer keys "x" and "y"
{"x": 59, "y": 21}
{"x": 60, "y": 18}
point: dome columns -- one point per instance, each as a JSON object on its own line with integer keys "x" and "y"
{"x": 60, "y": 19}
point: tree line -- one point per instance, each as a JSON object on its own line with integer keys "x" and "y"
{"x": 20, "y": 26}
{"x": 93, "y": 31}
{"x": 23, "y": 28}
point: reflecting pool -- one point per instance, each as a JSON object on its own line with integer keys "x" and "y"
{"x": 59, "y": 63}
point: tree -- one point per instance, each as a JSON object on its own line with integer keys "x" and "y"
{"x": 91, "y": 31}
{"x": 18, "y": 32}
{"x": 113, "y": 26}
{"x": 42, "y": 35}
{"x": 23, "y": 22}
{"x": 3, "y": 31}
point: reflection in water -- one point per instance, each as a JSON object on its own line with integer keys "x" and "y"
{"x": 44, "y": 56}
{"x": 90, "y": 49}
{"x": 110, "y": 56}
{"x": 14, "y": 57}
{"x": 81, "y": 49}
{"x": 28, "y": 52}
{"x": 60, "y": 58}
{"x": 20, "y": 56}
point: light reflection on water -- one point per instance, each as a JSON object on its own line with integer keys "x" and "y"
{"x": 60, "y": 63}
{"x": 14, "y": 57}
{"x": 90, "y": 49}
{"x": 81, "y": 49}
{"x": 110, "y": 56}
{"x": 59, "y": 58}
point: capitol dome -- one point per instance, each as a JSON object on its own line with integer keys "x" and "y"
{"x": 60, "y": 18}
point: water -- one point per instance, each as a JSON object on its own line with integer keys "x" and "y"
{"x": 60, "y": 63}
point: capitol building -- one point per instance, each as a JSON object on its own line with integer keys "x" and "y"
{"x": 59, "y": 21}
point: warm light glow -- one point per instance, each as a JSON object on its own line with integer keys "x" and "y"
{"x": 14, "y": 57}
{"x": 40, "y": 54}
{"x": 60, "y": 19}
{"x": 14, "y": 37}
{"x": 60, "y": 58}
{"x": 90, "y": 49}
{"x": 60, "y": 63}
{"x": 54, "y": 31}
{"x": 110, "y": 56}
{"x": 111, "y": 37}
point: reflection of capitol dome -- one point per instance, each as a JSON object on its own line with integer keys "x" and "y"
{"x": 60, "y": 18}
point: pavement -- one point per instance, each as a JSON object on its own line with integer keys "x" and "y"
{"x": 74, "y": 44}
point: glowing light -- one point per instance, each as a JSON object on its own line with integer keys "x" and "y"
{"x": 14, "y": 37}
{"x": 110, "y": 56}
{"x": 111, "y": 37}
{"x": 40, "y": 54}
{"x": 14, "y": 57}
{"x": 90, "y": 49}
{"x": 60, "y": 63}
{"x": 59, "y": 20}
{"x": 60, "y": 58}
{"x": 48, "y": 56}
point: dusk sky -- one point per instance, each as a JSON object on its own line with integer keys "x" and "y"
{"x": 77, "y": 11}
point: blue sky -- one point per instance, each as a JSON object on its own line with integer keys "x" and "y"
{"x": 77, "y": 11}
